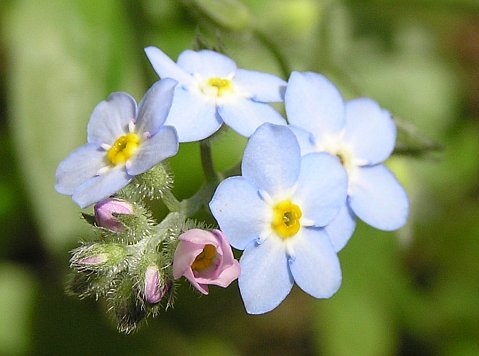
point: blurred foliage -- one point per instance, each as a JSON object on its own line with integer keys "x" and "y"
{"x": 413, "y": 292}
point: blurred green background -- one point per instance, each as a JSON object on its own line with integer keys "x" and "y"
{"x": 413, "y": 292}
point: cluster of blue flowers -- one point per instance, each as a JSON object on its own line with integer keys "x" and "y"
{"x": 305, "y": 179}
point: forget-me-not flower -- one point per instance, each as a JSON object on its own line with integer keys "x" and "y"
{"x": 205, "y": 257}
{"x": 362, "y": 135}
{"x": 212, "y": 90}
{"x": 123, "y": 141}
{"x": 276, "y": 212}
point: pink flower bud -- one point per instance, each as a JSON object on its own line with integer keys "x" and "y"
{"x": 105, "y": 209}
{"x": 97, "y": 256}
{"x": 92, "y": 261}
{"x": 154, "y": 288}
{"x": 204, "y": 258}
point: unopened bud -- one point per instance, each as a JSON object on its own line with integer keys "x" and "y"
{"x": 153, "y": 183}
{"x": 124, "y": 303}
{"x": 105, "y": 210}
{"x": 154, "y": 288}
{"x": 95, "y": 260}
{"x": 98, "y": 256}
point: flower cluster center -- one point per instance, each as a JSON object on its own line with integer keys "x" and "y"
{"x": 286, "y": 216}
{"x": 219, "y": 86}
{"x": 205, "y": 259}
{"x": 123, "y": 148}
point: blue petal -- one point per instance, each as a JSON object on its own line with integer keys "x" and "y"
{"x": 206, "y": 63}
{"x": 378, "y": 199}
{"x": 110, "y": 118}
{"x": 262, "y": 87}
{"x": 272, "y": 158}
{"x": 101, "y": 187}
{"x": 193, "y": 117}
{"x": 155, "y": 106}
{"x": 165, "y": 67}
{"x": 154, "y": 150}
{"x": 313, "y": 103}
{"x": 80, "y": 165}
{"x": 341, "y": 228}
{"x": 322, "y": 187}
{"x": 315, "y": 266}
{"x": 241, "y": 214}
{"x": 305, "y": 140}
{"x": 369, "y": 130}
{"x": 245, "y": 116}
{"x": 265, "y": 279}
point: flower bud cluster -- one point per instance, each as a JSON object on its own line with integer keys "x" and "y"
{"x": 126, "y": 263}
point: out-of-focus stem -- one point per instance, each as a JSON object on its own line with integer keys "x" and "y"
{"x": 275, "y": 51}
{"x": 207, "y": 162}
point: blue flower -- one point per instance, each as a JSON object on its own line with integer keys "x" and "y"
{"x": 276, "y": 212}
{"x": 122, "y": 143}
{"x": 362, "y": 136}
{"x": 211, "y": 90}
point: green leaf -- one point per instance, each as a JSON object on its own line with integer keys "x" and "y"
{"x": 65, "y": 58}
{"x": 17, "y": 292}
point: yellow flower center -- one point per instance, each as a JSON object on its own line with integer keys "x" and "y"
{"x": 286, "y": 217}
{"x": 123, "y": 148}
{"x": 219, "y": 86}
{"x": 205, "y": 259}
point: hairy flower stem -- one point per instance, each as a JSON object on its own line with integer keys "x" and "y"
{"x": 170, "y": 201}
{"x": 189, "y": 207}
{"x": 150, "y": 244}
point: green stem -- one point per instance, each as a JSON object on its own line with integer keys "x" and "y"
{"x": 275, "y": 51}
{"x": 173, "y": 219}
{"x": 207, "y": 162}
{"x": 190, "y": 206}
{"x": 170, "y": 201}
{"x": 412, "y": 142}
{"x": 233, "y": 171}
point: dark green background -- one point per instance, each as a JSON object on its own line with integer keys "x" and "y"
{"x": 413, "y": 292}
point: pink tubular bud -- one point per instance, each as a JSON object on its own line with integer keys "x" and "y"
{"x": 153, "y": 288}
{"x": 98, "y": 256}
{"x": 95, "y": 260}
{"x": 105, "y": 209}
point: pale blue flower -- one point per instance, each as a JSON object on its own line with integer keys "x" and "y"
{"x": 276, "y": 212}
{"x": 362, "y": 136}
{"x": 123, "y": 141}
{"x": 211, "y": 90}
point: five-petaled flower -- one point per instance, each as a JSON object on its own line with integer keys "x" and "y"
{"x": 205, "y": 257}
{"x": 276, "y": 212}
{"x": 123, "y": 141}
{"x": 362, "y": 136}
{"x": 212, "y": 90}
